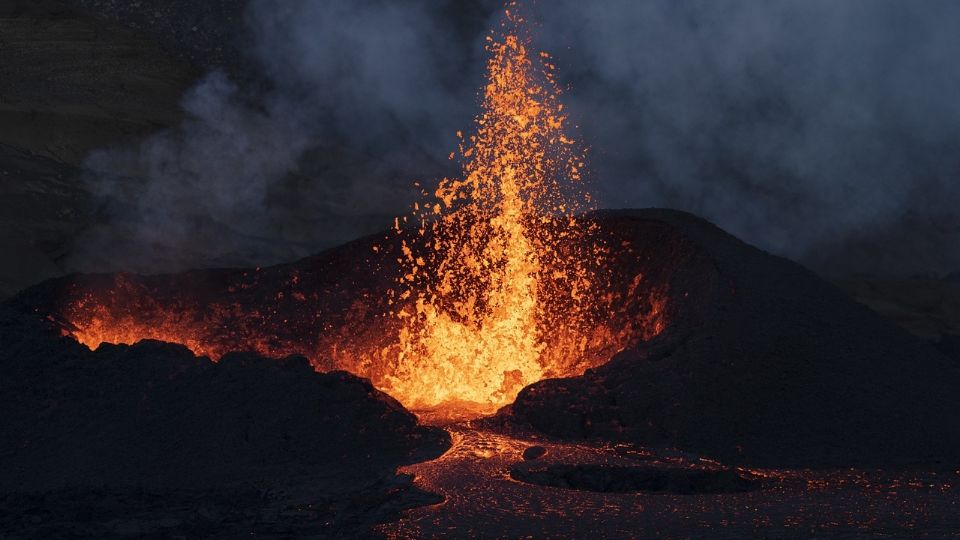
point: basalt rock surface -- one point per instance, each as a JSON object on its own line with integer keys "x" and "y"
{"x": 765, "y": 364}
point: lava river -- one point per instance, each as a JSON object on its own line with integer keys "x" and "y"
{"x": 482, "y": 499}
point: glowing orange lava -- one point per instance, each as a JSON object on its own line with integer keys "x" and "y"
{"x": 501, "y": 281}
{"x": 486, "y": 293}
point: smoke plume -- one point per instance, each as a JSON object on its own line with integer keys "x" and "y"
{"x": 826, "y": 132}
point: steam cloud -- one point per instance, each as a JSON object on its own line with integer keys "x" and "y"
{"x": 827, "y": 132}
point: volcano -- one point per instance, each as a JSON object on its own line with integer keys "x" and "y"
{"x": 505, "y": 361}
{"x": 758, "y": 360}
{"x": 758, "y": 363}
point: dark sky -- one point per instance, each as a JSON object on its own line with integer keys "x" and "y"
{"x": 826, "y": 131}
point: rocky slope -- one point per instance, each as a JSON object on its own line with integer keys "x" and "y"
{"x": 779, "y": 368}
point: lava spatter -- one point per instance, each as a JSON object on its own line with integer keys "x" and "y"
{"x": 495, "y": 280}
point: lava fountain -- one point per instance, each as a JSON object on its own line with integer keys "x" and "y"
{"x": 496, "y": 280}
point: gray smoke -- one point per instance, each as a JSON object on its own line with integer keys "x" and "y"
{"x": 825, "y": 131}
{"x": 351, "y": 102}
{"x": 214, "y": 171}
{"x": 811, "y": 127}
{"x": 383, "y": 70}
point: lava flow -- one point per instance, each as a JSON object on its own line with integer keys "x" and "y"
{"x": 497, "y": 279}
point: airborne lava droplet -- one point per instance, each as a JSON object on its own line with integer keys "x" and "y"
{"x": 499, "y": 281}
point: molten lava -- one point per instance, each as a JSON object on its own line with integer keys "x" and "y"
{"x": 501, "y": 281}
{"x": 486, "y": 294}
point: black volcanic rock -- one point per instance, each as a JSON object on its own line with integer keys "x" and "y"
{"x": 71, "y": 84}
{"x": 153, "y": 415}
{"x": 206, "y": 34}
{"x": 627, "y": 479}
{"x": 534, "y": 452}
{"x": 949, "y": 344}
{"x": 765, "y": 364}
